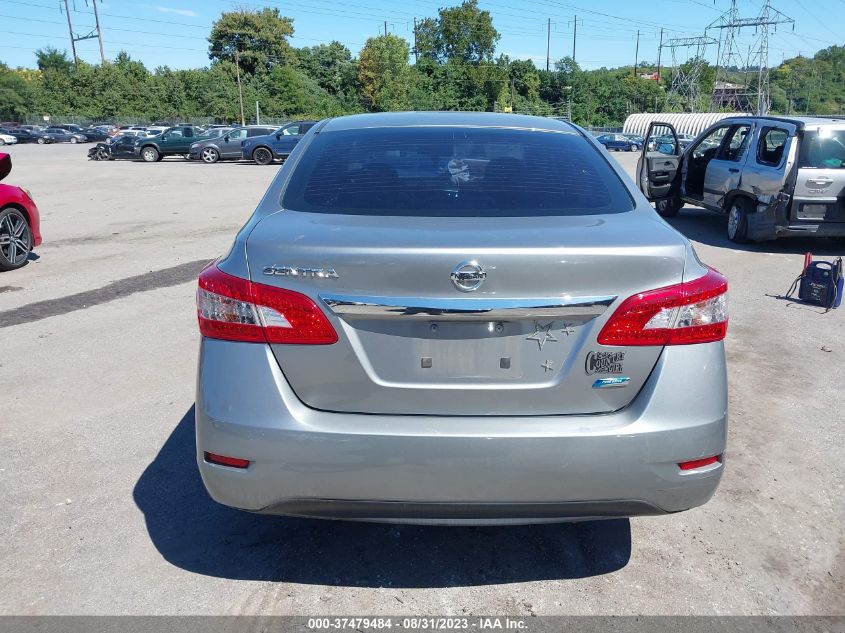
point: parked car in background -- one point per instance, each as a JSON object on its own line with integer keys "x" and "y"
{"x": 772, "y": 176}
{"x": 228, "y": 145}
{"x": 277, "y": 145}
{"x": 619, "y": 142}
{"x": 7, "y": 139}
{"x": 122, "y": 146}
{"x": 635, "y": 138}
{"x": 174, "y": 141}
{"x": 70, "y": 127}
{"x": 20, "y": 222}
{"x": 22, "y": 136}
{"x": 59, "y": 135}
{"x": 95, "y": 134}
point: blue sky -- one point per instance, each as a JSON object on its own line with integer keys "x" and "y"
{"x": 172, "y": 32}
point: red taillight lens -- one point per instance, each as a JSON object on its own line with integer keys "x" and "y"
{"x": 235, "y": 309}
{"x": 222, "y": 460}
{"x": 698, "y": 463}
{"x": 691, "y": 312}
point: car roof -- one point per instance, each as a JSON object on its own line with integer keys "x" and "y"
{"x": 457, "y": 119}
{"x": 799, "y": 121}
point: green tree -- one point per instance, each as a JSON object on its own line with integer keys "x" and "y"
{"x": 49, "y": 58}
{"x": 464, "y": 33}
{"x": 384, "y": 73}
{"x": 258, "y": 38}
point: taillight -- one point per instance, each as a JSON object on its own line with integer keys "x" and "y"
{"x": 691, "y": 312}
{"x": 236, "y": 309}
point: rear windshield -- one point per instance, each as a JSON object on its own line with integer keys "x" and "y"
{"x": 446, "y": 171}
{"x": 823, "y": 150}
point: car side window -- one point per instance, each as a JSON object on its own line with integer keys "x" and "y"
{"x": 771, "y": 146}
{"x": 707, "y": 147}
{"x": 290, "y": 130}
{"x": 737, "y": 143}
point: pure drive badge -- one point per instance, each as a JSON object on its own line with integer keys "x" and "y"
{"x": 604, "y": 363}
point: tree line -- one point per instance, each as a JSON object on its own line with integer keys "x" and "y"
{"x": 451, "y": 65}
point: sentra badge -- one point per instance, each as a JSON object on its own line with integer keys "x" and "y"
{"x": 297, "y": 271}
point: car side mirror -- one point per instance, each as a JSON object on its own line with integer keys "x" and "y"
{"x": 279, "y": 136}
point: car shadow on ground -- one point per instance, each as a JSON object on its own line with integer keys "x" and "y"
{"x": 194, "y": 533}
{"x": 710, "y": 228}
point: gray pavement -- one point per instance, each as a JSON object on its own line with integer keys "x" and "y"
{"x": 102, "y": 510}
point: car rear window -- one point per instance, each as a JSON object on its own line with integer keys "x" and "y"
{"x": 823, "y": 149}
{"x": 454, "y": 171}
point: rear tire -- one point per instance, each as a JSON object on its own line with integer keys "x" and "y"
{"x": 15, "y": 239}
{"x": 668, "y": 207}
{"x": 634, "y": 148}
{"x": 150, "y": 154}
{"x": 41, "y": 141}
{"x": 2, "y": 142}
{"x": 738, "y": 221}
{"x": 262, "y": 156}
{"x": 74, "y": 140}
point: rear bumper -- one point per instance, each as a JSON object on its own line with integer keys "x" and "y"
{"x": 458, "y": 469}
{"x": 823, "y": 229}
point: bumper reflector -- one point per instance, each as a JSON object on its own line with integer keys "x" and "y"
{"x": 222, "y": 460}
{"x": 698, "y": 463}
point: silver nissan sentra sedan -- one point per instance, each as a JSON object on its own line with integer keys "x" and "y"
{"x": 459, "y": 318}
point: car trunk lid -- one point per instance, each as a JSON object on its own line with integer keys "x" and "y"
{"x": 412, "y": 342}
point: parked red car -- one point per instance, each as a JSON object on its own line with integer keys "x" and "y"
{"x": 20, "y": 222}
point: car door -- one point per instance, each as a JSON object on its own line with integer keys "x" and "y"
{"x": 230, "y": 144}
{"x": 723, "y": 174}
{"x": 286, "y": 139}
{"x": 659, "y": 162}
{"x": 819, "y": 196}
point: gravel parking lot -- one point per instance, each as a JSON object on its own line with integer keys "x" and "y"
{"x": 102, "y": 510}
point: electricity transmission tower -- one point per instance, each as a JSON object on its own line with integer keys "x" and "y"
{"x": 740, "y": 96}
{"x": 688, "y": 62}
{"x": 96, "y": 32}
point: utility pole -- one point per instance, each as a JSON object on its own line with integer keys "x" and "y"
{"x": 548, "y": 43}
{"x": 257, "y": 115}
{"x": 385, "y": 27}
{"x": 99, "y": 32}
{"x": 574, "y": 36}
{"x": 636, "y": 54}
{"x": 659, "y": 51}
{"x": 416, "y": 53}
{"x": 72, "y": 38}
{"x": 238, "y": 74}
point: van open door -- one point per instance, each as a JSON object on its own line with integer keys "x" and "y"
{"x": 658, "y": 168}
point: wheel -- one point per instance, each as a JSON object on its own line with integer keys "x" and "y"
{"x": 634, "y": 148}
{"x": 262, "y": 156}
{"x": 15, "y": 239}
{"x": 2, "y": 142}
{"x": 74, "y": 140}
{"x": 41, "y": 140}
{"x": 209, "y": 155}
{"x": 150, "y": 154}
{"x": 668, "y": 207}
{"x": 738, "y": 221}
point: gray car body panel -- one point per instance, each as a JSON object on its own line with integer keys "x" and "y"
{"x": 359, "y": 421}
